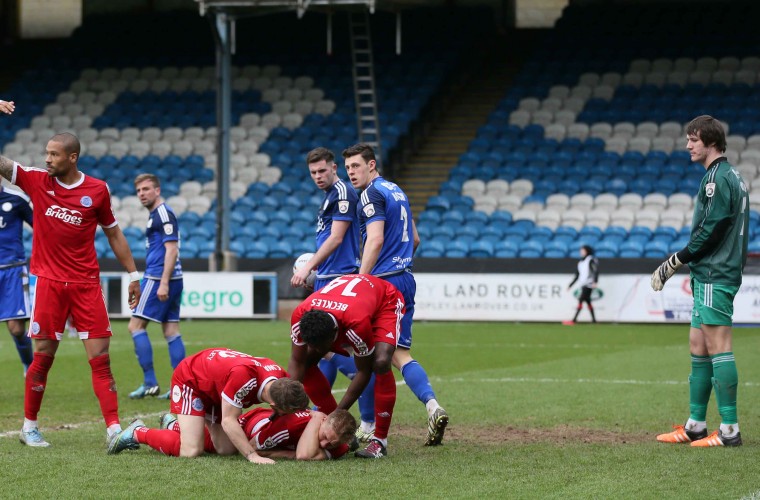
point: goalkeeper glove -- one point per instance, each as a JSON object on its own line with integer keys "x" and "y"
{"x": 664, "y": 272}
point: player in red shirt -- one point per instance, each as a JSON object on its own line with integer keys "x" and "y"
{"x": 210, "y": 389}
{"x": 303, "y": 435}
{"x": 358, "y": 315}
{"x": 68, "y": 208}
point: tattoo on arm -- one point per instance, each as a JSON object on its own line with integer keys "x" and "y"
{"x": 6, "y": 167}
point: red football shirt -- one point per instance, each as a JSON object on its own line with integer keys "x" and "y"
{"x": 268, "y": 430}
{"x": 355, "y": 301}
{"x": 238, "y": 378}
{"x": 65, "y": 220}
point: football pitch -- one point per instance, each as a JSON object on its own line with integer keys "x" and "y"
{"x": 537, "y": 411}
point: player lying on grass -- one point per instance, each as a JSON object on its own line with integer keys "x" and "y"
{"x": 210, "y": 389}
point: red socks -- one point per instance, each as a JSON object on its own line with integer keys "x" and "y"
{"x": 318, "y": 389}
{"x": 36, "y": 381}
{"x": 168, "y": 441}
{"x": 385, "y": 400}
{"x": 161, "y": 440}
{"x": 105, "y": 388}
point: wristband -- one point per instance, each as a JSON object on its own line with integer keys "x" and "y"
{"x": 134, "y": 276}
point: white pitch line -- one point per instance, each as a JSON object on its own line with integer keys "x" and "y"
{"x": 547, "y": 380}
{"x": 79, "y": 425}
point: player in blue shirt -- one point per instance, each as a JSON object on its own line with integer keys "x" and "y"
{"x": 14, "y": 276}
{"x": 337, "y": 225}
{"x": 161, "y": 286}
{"x": 390, "y": 239}
{"x": 337, "y": 239}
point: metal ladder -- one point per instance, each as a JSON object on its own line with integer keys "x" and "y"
{"x": 365, "y": 95}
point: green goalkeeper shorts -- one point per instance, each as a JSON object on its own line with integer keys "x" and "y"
{"x": 713, "y": 304}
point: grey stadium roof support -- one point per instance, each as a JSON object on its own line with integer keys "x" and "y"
{"x": 222, "y": 14}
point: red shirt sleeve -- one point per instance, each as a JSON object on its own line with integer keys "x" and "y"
{"x": 106, "y": 217}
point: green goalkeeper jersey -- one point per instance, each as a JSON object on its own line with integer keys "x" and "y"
{"x": 720, "y": 226}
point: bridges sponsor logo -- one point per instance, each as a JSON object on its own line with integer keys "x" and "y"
{"x": 67, "y": 215}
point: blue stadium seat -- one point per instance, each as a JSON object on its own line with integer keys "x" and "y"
{"x": 491, "y": 233}
{"x": 444, "y": 232}
{"x": 754, "y": 247}
{"x": 431, "y": 248}
{"x": 530, "y": 249}
{"x": 631, "y": 249}
{"x": 438, "y": 204}
{"x": 456, "y": 249}
{"x": 506, "y": 249}
{"x": 606, "y": 249}
{"x": 467, "y": 233}
{"x": 501, "y": 217}
{"x": 656, "y": 249}
{"x": 590, "y": 233}
{"x": 257, "y": 250}
{"x": 640, "y": 233}
{"x": 566, "y": 233}
{"x": 481, "y": 249}
{"x": 280, "y": 250}
{"x": 429, "y": 216}
{"x": 541, "y": 234}
{"x": 665, "y": 233}
{"x": 555, "y": 249}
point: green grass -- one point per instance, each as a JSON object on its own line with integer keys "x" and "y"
{"x": 537, "y": 410}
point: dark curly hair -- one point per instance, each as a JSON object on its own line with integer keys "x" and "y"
{"x": 317, "y": 327}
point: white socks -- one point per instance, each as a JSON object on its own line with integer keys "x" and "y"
{"x": 695, "y": 426}
{"x": 29, "y": 425}
{"x": 431, "y": 406}
{"x": 113, "y": 429}
{"x": 729, "y": 430}
{"x": 367, "y": 426}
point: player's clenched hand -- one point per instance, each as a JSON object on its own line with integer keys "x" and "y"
{"x": 134, "y": 294}
{"x": 664, "y": 272}
{"x": 7, "y": 107}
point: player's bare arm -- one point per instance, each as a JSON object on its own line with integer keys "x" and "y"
{"x": 170, "y": 260}
{"x": 6, "y": 167}
{"x": 231, "y": 426}
{"x": 416, "y": 236}
{"x": 359, "y": 382}
{"x": 308, "y": 447}
{"x": 120, "y": 248}
{"x": 372, "y": 246}
{"x": 337, "y": 233}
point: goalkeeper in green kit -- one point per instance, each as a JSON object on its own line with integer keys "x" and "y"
{"x": 716, "y": 254}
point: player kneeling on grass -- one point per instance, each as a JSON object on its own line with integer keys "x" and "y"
{"x": 210, "y": 390}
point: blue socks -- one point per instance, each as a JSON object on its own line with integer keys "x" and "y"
{"x": 329, "y": 369}
{"x": 144, "y": 352}
{"x": 345, "y": 365}
{"x": 367, "y": 401}
{"x": 24, "y": 348}
{"x": 176, "y": 349}
{"x": 417, "y": 380}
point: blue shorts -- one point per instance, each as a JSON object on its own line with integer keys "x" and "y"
{"x": 14, "y": 293}
{"x": 152, "y": 309}
{"x": 408, "y": 288}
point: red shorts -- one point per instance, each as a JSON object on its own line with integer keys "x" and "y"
{"x": 187, "y": 400}
{"x": 386, "y": 326}
{"x": 55, "y": 301}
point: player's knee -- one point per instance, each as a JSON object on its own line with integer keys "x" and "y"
{"x": 383, "y": 362}
{"x": 190, "y": 450}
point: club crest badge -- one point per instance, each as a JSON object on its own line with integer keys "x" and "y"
{"x": 710, "y": 189}
{"x": 343, "y": 206}
{"x": 86, "y": 201}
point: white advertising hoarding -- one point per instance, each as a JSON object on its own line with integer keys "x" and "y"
{"x": 211, "y": 295}
{"x": 545, "y": 297}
